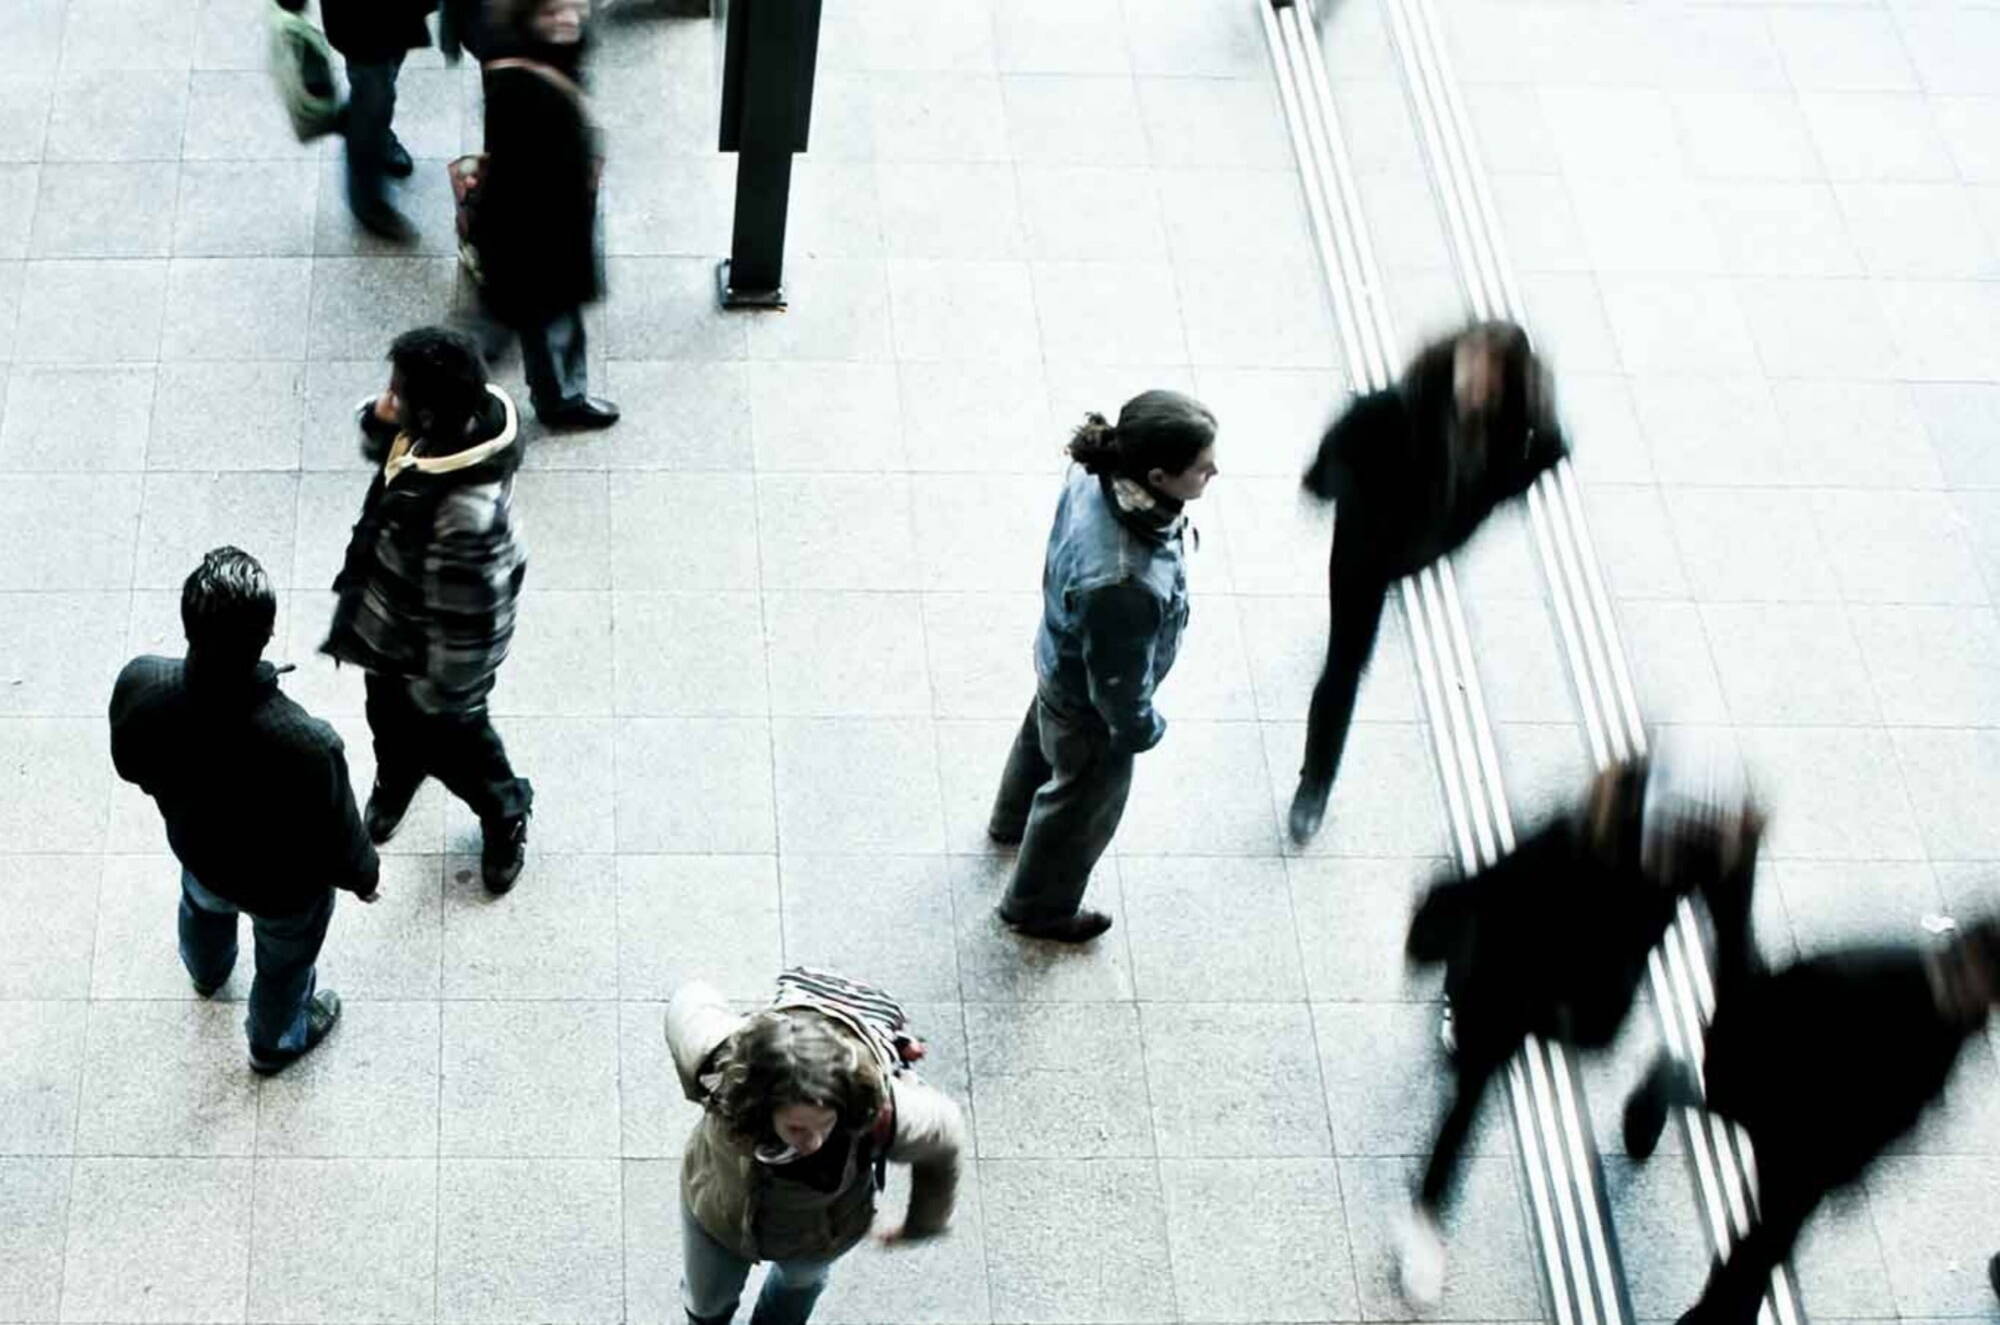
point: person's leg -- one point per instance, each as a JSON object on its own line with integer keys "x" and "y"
{"x": 1736, "y": 1287}
{"x": 1071, "y": 821}
{"x": 401, "y": 764}
{"x": 281, "y": 996}
{"x": 1669, "y": 1084}
{"x": 790, "y": 1290}
{"x": 1441, "y": 1171}
{"x": 1024, "y": 775}
{"x": 711, "y": 1275}
{"x": 208, "y": 936}
{"x": 371, "y": 106}
{"x": 556, "y": 362}
{"x": 468, "y": 756}
{"x": 1356, "y": 596}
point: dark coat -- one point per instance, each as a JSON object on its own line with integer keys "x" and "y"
{"x": 253, "y": 789}
{"x": 1392, "y": 460}
{"x": 375, "y": 31}
{"x": 1550, "y": 940}
{"x": 536, "y": 224}
{"x": 1827, "y": 1061}
{"x": 427, "y": 591}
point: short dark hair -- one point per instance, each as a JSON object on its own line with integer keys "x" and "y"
{"x": 441, "y": 380}
{"x": 228, "y": 605}
{"x": 1162, "y": 430}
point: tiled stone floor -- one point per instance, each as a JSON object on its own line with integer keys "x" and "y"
{"x": 776, "y": 639}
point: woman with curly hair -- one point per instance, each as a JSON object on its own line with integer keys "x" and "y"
{"x": 801, "y": 1114}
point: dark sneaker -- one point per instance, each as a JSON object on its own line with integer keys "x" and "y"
{"x": 321, "y": 1015}
{"x": 384, "y": 814}
{"x": 1308, "y": 809}
{"x": 502, "y": 853}
{"x": 398, "y": 163}
{"x": 579, "y": 415}
{"x": 1079, "y": 928}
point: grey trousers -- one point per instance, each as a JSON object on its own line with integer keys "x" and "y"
{"x": 1064, "y": 792}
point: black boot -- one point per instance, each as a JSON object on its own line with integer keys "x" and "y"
{"x": 384, "y": 814}
{"x": 1081, "y": 927}
{"x": 584, "y": 412}
{"x": 503, "y": 851}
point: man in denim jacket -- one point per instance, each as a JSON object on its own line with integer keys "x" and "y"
{"x": 1114, "y": 591}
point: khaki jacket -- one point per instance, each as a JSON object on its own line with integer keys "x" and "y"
{"x": 733, "y": 1197}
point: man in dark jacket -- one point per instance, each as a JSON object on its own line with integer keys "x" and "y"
{"x": 256, "y": 801}
{"x": 427, "y": 592}
{"x": 1824, "y": 1063}
{"x": 1414, "y": 469}
{"x": 373, "y": 36}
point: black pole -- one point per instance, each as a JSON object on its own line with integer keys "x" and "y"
{"x": 771, "y": 48}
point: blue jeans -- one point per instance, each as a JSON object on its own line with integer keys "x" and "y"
{"x": 287, "y": 947}
{"x": 712, "y": 1281}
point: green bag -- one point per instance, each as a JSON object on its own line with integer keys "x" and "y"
{"x": 302, "y": 64}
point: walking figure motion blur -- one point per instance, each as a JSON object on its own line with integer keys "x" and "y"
{"x": 1550, "y": 941}
{"x": 1114, "y": 603}
{"x": 428, "y": 590}
{"x": 374, "y": 36}
{"x": 535, "y": 225}
{"x": 1824, "y": 1063}
{"x": 1413, "y": 470}
{"x": 256, "y": 801}
{"x": 805, "y": 1105}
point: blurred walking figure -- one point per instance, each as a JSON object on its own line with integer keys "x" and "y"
{"x": 535, "y": 226}
{"x": 805, "y": 1104}
{"x": 373, "y": 36}
{"x": 428, "y": 589}
{"x": 1414, "y": 469}
{"x": 256, "y": 801}
{"x": 1114, "y": 603}
{"x": 1550, "y": 941}
{"x": 1824, "y": 1062}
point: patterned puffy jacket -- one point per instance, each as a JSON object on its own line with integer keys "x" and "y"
{"x": 433, "y": 567}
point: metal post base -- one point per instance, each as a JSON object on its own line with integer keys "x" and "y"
{"x": 769, "y": 300}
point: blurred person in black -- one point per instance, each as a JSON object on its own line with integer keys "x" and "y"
{"x": 1413, "y": 470}
{"x": 256, "y": 801}
{"x": 1552, "y": 941}
{"x": 1824, "y": 1063}
{"x": 535, "y": 226}
{"x": 373, "y": 36}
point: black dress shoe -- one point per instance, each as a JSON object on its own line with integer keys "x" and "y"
{"x": 1079, "y": 928}
{"x": 385, "y": 222}
{"x": 1308, "y": 809}
{"x": 585, "y": 412}
{"x": 398, "y": 164}
{"x": 503, "y": 850}
{"x": 1008, "y": 836}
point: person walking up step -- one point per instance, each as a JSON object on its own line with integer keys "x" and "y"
{"x": 1414, "y": 469}
{"x": 428, "y": 591}
{"x": 373, "y": 36}
{"x": 257, "y": 806}
{"x": 1114, "y": 603}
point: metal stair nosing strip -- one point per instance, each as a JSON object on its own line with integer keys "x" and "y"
{"x": 1578, "y": 1254}
{"x": 1683, "y": 990}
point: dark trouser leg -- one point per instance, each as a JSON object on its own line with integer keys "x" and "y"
{"x": 371, "y": 105}
{"x": 1442, "y": 1170}
{"x": 1668, "y": 1085}
{"x": 468, "y": 757}
{"x": 1024, "y": 775}
{"x": 1071, "y": 820}
{"x": 208, "y": 934}
{"x": 552, "y": 358}
{"x": 287, "y": 948}
{"x": 397, "y": 726}
{"x": 711, "y": 1274}
{"x": 1355, "y": 598}
{"x": 1736, "y": 1286}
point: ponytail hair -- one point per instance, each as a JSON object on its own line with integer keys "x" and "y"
{"x": 1162, "y": 430}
